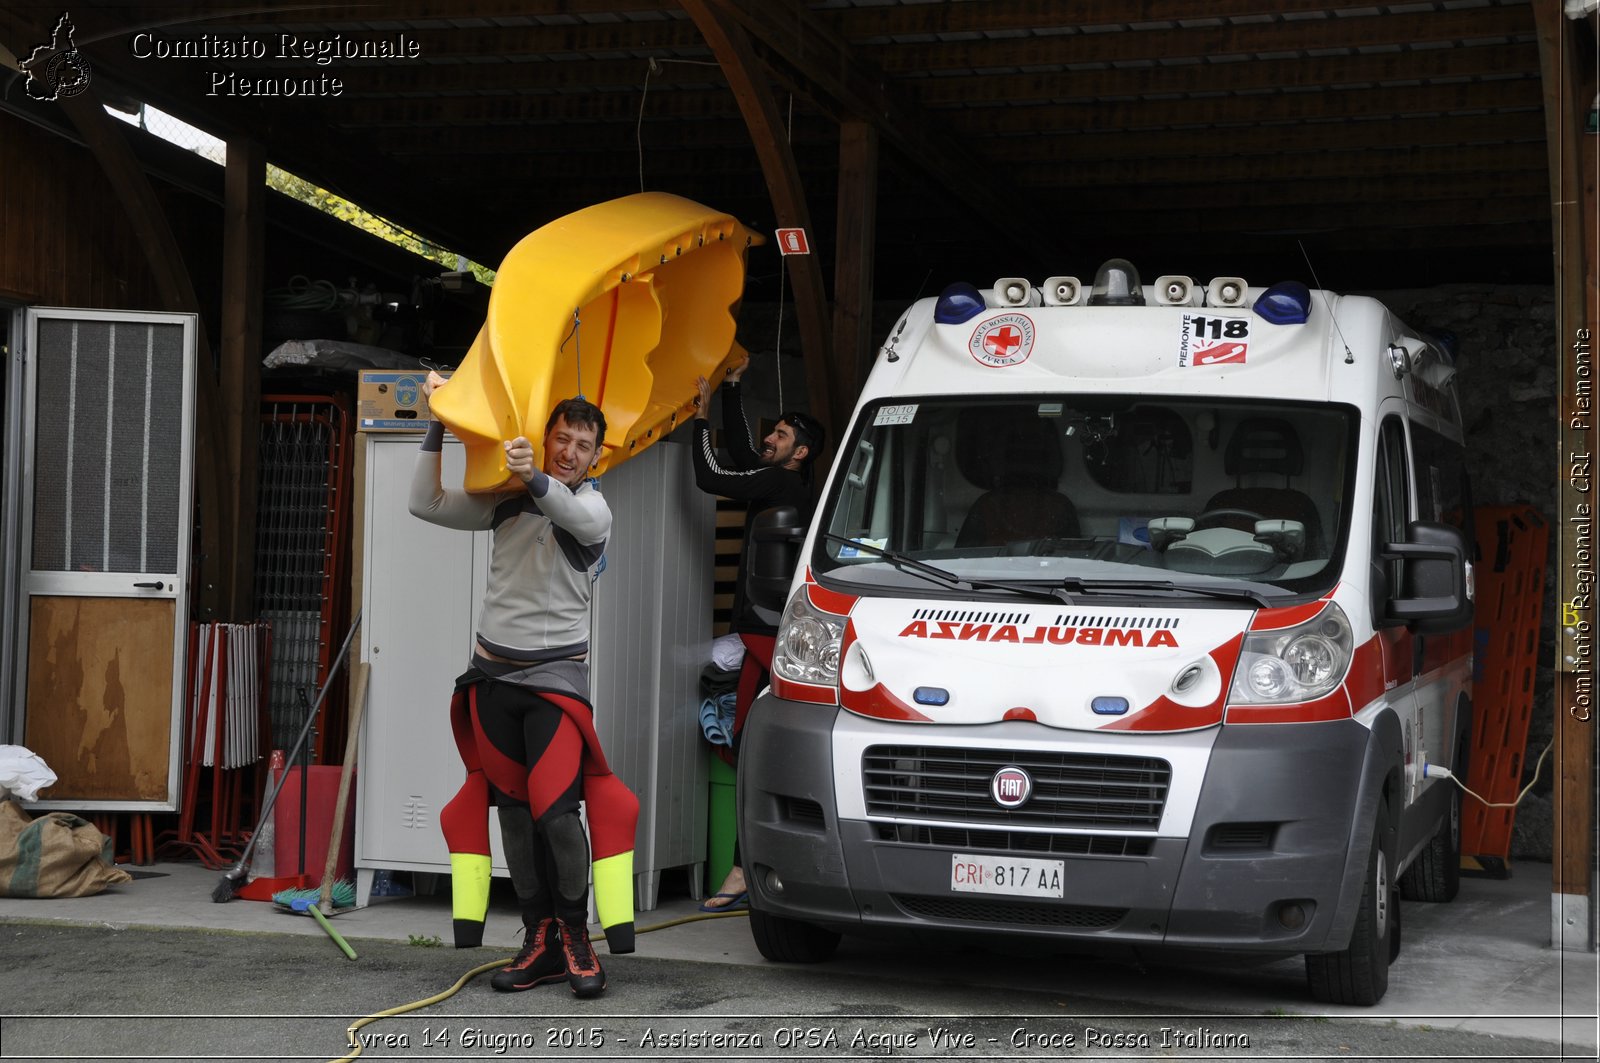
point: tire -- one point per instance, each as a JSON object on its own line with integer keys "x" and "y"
{"x": 790, "y": 940}
{"x": 1435, "y": 876}
{"x": 1358, "y": 974}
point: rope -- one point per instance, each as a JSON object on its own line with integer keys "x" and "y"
{"x": 577, "y": 349}
{"x": 417, "y": 1005}
{"x": 638, "y": 128}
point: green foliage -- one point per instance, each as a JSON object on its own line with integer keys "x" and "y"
{"x": 422, "y": 942}
{"x": 348, "y": 212}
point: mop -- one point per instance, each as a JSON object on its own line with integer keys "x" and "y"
{"x": 334, "y": 895}
{"x": 233, "y": 878}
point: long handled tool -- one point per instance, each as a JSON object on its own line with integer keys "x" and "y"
{"x": 332, "y": 896}
{"x": 233, "y": 878}
{"x": 351, "y": 742}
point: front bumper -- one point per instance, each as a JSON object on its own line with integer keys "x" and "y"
{"x": 1259, "y": 826}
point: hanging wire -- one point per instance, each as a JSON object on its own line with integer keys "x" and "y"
{"x": 577, "y": 349}
{"x": 644, "y": 94}
{"x": 777, "y": 351}
{"x": 638, "y": 129}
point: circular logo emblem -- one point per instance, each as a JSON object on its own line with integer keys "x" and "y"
{"x": 1006, "y": 339}
{"x": 1011, "y": 787}
{"x": 68, "y": 74}
{"x": 406, "y": 392}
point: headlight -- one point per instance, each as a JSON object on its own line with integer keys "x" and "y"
{"x": 807, "y": 649}
{"x": 1295, "y": 664}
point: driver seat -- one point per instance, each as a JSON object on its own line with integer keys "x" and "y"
{"x": 1264, "y": 449}
{"x": 1019, "y": 463}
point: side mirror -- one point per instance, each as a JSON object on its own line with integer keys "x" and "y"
{"x": 1435, "y": 594}
{"x": 775, "y": 539}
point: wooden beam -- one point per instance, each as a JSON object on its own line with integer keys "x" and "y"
{"x": 1572, "y": 862}
{"x": 1423, "y": 132}
{"x": 544, "y": 74}
{"x": 361, "y": 14}
{"x": 1237, "y": 41}
{"x": 597, "y": 140}
{"x": 975, "y": 87}
{"x": 149, "y": 221}
{"x": 747, "y": 78}
{"x": 1041, "y": 168}
{"x": 994, "y": 16}
{"x": 856, "y": 233}
{"x": 1227, "y": 114}
{"x": 243, "y": 251}
{"x": 1313, "y": 190}
{"x": 1151, "y": 82}
{"x": 519, "y": 109}
{"x": 1183, "y": 219}
{"x": 1003, "y": 119}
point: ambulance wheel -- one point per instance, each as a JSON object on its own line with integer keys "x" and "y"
{"x": 1359, "y": 973}
{"x": 790, "y": 940}
{"x": 1436, "y": 874}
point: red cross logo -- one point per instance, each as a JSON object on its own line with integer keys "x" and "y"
{"x": 1002, "y": 341}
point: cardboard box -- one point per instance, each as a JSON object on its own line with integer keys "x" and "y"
{"x": 388, "y": 401}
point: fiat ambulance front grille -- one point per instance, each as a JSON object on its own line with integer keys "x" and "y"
{"x": 1082, "y": 790}
{"x": 969, "y": 839}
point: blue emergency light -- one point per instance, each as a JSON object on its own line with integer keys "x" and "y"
{"x": 958, "y": 303}
{"x": 1285, "y": 303}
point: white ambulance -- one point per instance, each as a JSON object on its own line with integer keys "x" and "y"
{"x": 1133, "y": 616}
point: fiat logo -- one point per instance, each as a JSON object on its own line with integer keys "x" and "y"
{"x": 1011, "y": 787}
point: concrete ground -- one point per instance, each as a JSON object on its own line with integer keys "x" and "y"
{"x": 1478, "y": 976}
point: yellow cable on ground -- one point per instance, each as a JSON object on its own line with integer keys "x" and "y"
{"x": 417, "y": 1005}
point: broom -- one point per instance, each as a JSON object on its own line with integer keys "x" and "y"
{"x": 341, "y": 894}
{"x": 228, "y": 888}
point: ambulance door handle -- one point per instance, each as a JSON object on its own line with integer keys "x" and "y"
{"x": 1419, "y": 650}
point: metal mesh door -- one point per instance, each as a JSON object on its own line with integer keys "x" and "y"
{"x": 107, "y": 479}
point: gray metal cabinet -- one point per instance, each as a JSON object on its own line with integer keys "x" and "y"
{"x": 420, "y": 586}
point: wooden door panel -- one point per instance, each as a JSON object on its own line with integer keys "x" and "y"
{"x": 100, "y": 695}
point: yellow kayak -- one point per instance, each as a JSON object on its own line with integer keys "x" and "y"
{"x": 637, "y": 294}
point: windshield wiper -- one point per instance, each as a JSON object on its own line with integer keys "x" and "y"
{"x": 1164, "y": 586}
{"x": 1044, "y": 592}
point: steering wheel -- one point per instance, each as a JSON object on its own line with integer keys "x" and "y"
{"x": 1212, "y": 517}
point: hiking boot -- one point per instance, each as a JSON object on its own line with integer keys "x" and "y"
{"x": 583, "y": 966}
{"x": 541, "y": 960}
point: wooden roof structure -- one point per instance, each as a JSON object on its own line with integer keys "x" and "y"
{"x": 1009, "y": 137}
{"x": 1369, "y": 144}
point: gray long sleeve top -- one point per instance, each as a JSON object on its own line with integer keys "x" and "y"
{"x": 546, "y": 542}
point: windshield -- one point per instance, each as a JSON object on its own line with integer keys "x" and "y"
{"x": 1117, "y": 495}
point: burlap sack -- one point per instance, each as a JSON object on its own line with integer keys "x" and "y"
{"x": 56, "y": 855}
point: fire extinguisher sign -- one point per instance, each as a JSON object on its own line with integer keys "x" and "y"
{"x": 793, "y": 242}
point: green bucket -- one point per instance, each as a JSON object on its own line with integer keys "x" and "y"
{"x": 723, "y": 824}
